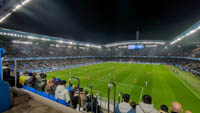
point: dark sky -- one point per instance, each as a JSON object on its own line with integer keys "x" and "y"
{"x": 104, "y": 21}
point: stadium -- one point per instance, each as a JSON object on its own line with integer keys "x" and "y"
{"x": 48, "y": 73}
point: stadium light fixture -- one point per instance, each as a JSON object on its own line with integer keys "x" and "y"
{"x": 15, "y": 9}
{"x": 35, "y": 37}
{"x": 3, "y": 18}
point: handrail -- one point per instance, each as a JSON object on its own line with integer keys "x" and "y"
{"x": 79, "y": 100}
{"x": 109, "y": 87}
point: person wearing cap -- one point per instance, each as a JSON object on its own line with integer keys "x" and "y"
{"x": 125, "y": 107}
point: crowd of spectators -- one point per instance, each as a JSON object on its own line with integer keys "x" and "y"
{"x": 48, "y": 64}
{"x": 26, "y": 51}
{"x": 60, "y": 89}
{"x": 146, "y": 106}
{"x": 16, "y": 50}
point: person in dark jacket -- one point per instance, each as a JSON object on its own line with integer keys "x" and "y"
{"x": 29, "y": 80}
{"x": 124, "y": 107}
{"x": 50, "y": 83}
{"x": 40, "y": 82}
{"x": 54, "y": 86}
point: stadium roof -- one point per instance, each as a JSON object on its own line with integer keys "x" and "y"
{"x": 156, "y": 42}
{"x": 188, "y": 32}
{"x": 7, "y": 7}
{"x": 25, "y": 35}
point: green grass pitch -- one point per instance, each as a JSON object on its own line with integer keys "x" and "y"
{"x": 163, "y": 85}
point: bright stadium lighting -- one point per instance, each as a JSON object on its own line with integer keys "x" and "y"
{"x": 15, "y": 9}
{"x": 87, "y": 45}
{"x": 186, "y": 35}
{"x": 3, "y": 18}
{"x": 135, "y": 42}
{"x": 21, "y": 42}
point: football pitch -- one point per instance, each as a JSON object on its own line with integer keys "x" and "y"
{"x": 163, "y": 84}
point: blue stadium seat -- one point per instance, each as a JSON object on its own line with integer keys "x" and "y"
{"x": 28, "y": 88}
{"x": 52, "y": 97}
{"x": 38, "y": 92}
{"x": 62, "y": 102}
{"x": 23, "y": 86}
{"x": 45, "y": 95}
{"x": 32, "y": 90}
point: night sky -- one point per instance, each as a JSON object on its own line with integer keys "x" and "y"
{"x": 104, "y": 21}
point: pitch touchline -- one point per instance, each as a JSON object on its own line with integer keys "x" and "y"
{"x": 187, "y": 86}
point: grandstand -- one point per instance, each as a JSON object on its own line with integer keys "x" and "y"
{"x": 65, "y": 75}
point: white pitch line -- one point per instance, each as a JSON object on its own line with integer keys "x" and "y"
{"x": 141, "y": 95}
{"x": 187, "y": 86}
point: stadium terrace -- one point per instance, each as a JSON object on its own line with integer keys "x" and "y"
{"x": 47, "y": 74}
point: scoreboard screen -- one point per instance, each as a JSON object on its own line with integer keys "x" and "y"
{"x": 136, "y": 47}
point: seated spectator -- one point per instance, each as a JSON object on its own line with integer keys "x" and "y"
{"x": 146, "y": 106}
{"x": 163, "y": 109}
{"x": 176, "y": 107}
{"x": 50, "y": 83}
{"x": 187, "y": 111}
{"x": 22, "y": 78}
{"x": 29, "y": 80}
{"x": 133, "y": 105}
{"x": 40, "y": 82}
{"x": 125, "y": 107}
{"x": 54, "y": 86}
{"x": 61, "y": 92}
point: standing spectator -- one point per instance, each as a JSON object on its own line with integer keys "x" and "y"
{"x": 163, "y": 109}
{"x": 176, "y": 107}
{"x": 50, "y": 83}
{"x": 40, "y": 82}
{"x": 125, "y": 107}
{"x": 146, "y": 106}
{"x": 61, "y": 92}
